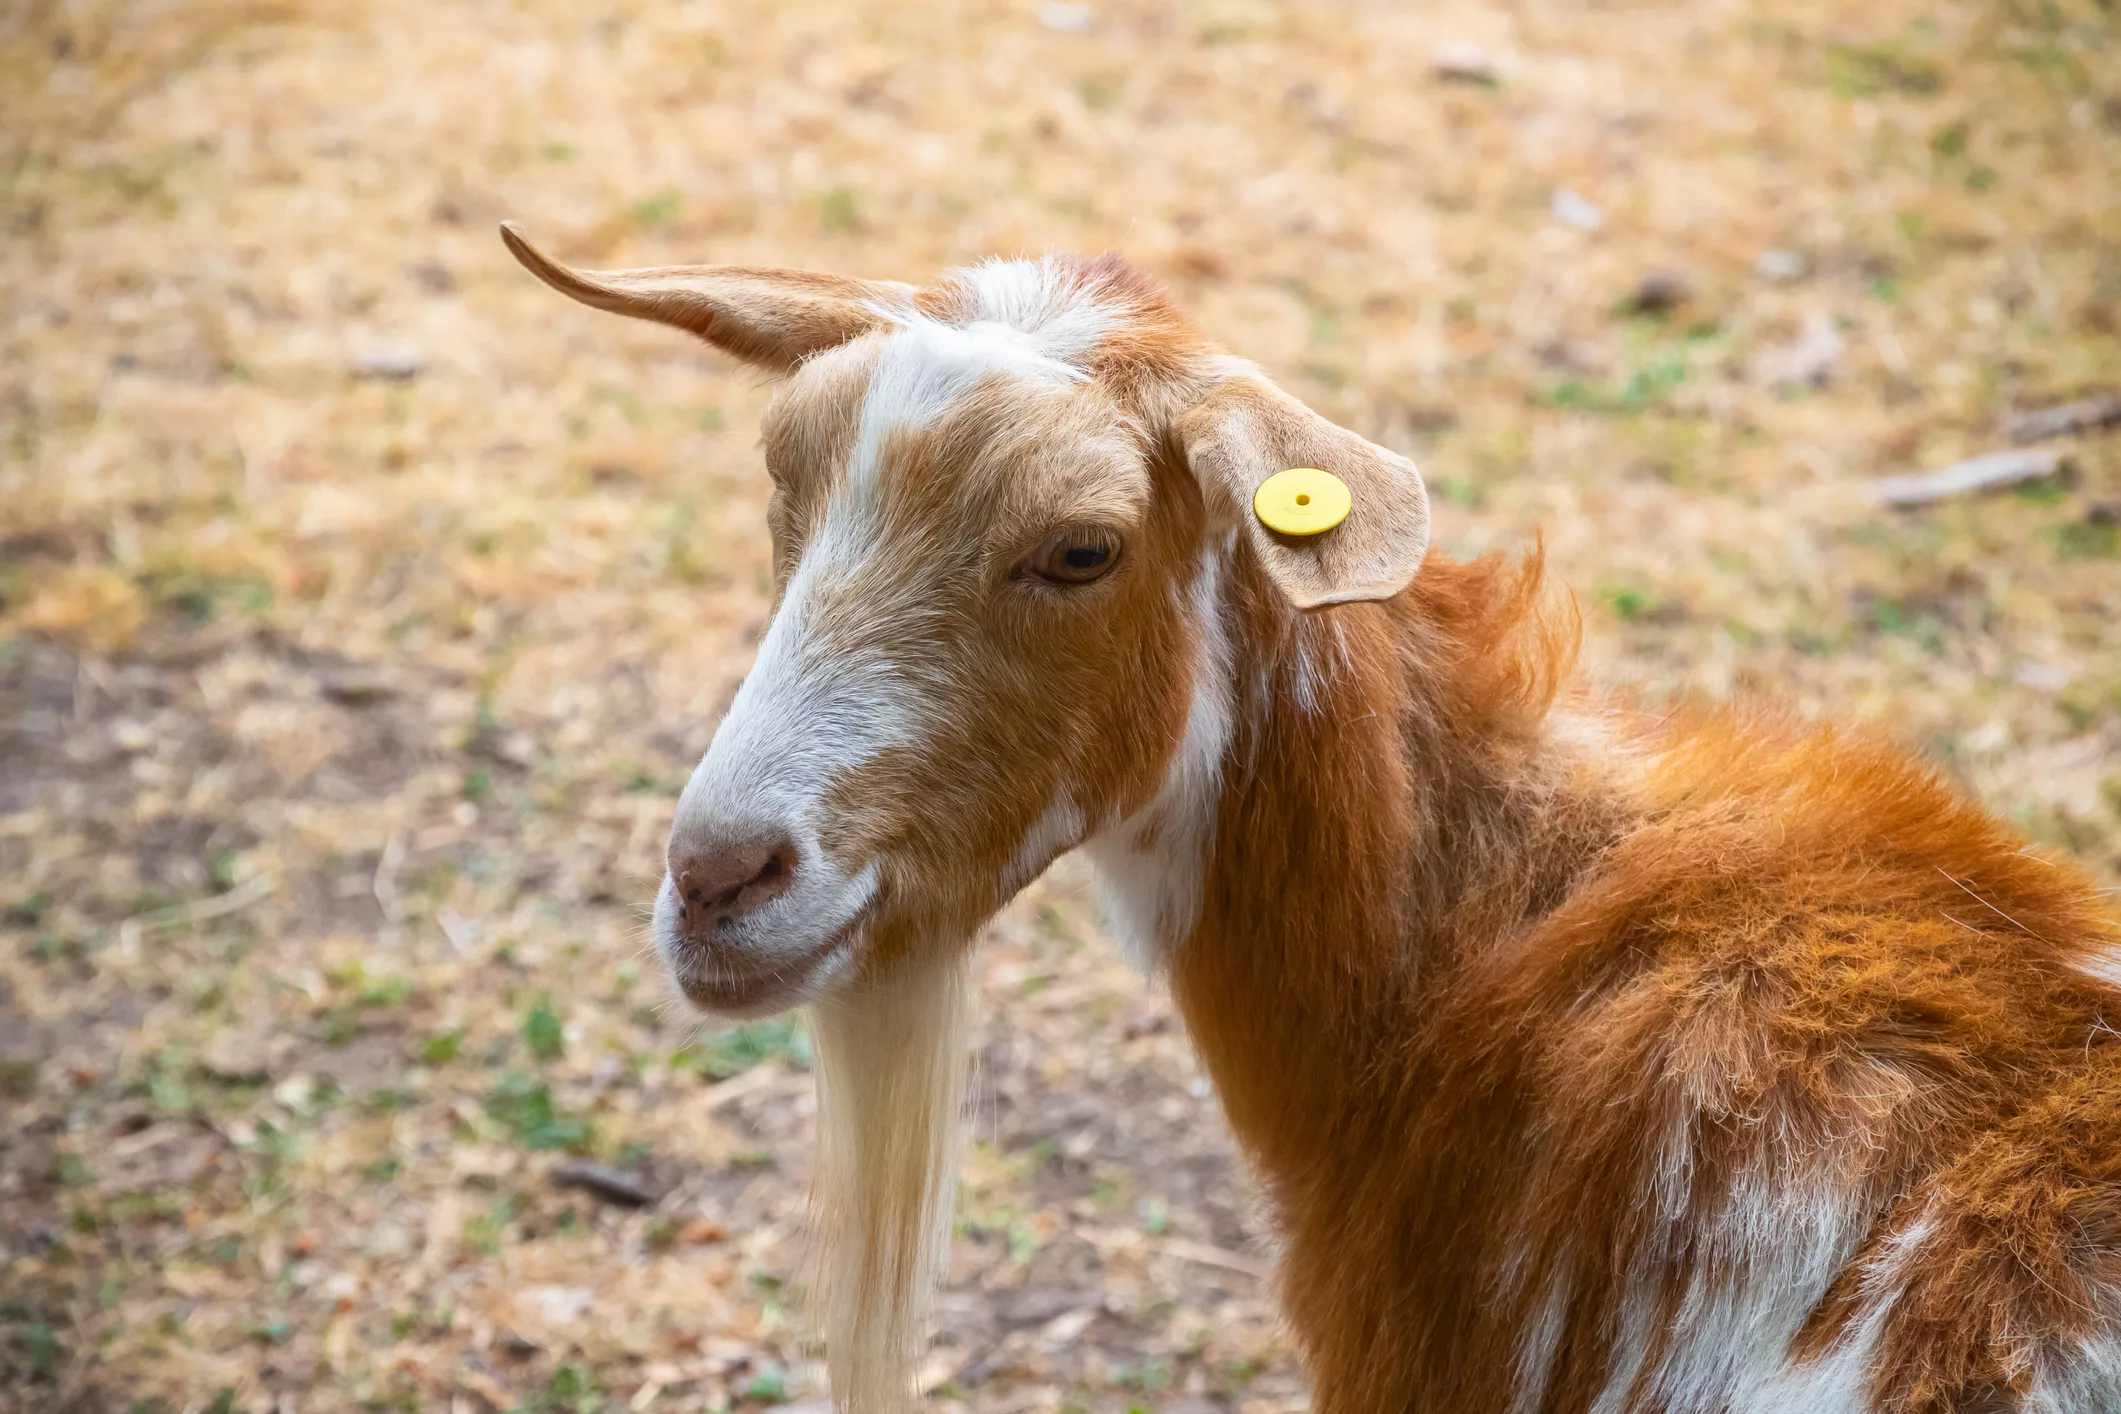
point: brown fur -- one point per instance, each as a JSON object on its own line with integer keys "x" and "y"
{"x": 1503, "y": 971}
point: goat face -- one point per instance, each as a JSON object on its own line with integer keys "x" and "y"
{"x": 996, "y": 503}
{"x": 974, "y": 653}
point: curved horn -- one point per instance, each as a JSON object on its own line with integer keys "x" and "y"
{"x": 765, "y": 315}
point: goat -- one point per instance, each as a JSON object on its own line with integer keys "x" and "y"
{"x": 1592, "y": 1060}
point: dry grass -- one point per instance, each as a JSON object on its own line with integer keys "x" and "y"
{"x": 341, "y": 716}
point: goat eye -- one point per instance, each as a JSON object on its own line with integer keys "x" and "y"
{"x": 1076, "y": 555}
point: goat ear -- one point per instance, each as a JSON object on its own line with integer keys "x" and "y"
{"x": 1245, "y": 430}
{"x": 770, "y": 317}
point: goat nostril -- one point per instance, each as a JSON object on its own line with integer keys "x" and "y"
{"x": 728, "y": 882}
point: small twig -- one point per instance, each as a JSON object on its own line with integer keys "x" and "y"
{"x": 385, "y": 883}
{"x": 765, "y": 1076}
{"x": 462, "y": 932}
{"x": 1206, "y": 1256}
{"x": 2089, "y": 415}
{"x": 89, "y": 676}
{"x": 613, "y": 1185}
{"x": 1184, "y": 1249}
{"x": 1983, "y": 473}
{"x": 182, "y": 915}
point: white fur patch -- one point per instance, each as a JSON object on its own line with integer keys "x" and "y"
{"x": 1536, "y": 1345}
{"x": 1038, "y": 307}
{"x": 1043, "y": 299}
{"x": 1152, "y": 889}
{"x": 1836, "y": 1382}
{"x": 1788, "y": 1245}
{"x": 1583, "y": 733}
{"x": 926, "y": 366}
{"x": 2079, "y": 1375}
{"x": 1055, "y": 832}
{"x": 1321, "y": 656}
{"x": 2101, "y": 964}
{"x": 1775, "y": 1251}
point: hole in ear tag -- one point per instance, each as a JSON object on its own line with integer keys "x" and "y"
{"x": 1302, "y": 501}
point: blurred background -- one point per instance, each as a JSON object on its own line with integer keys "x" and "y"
{"x": 363, "y": 604}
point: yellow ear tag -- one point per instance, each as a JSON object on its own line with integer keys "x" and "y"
{"x": 1302, "y": 501}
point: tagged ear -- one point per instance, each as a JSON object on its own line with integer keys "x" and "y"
{"x": 1246, "y": 429}
{"x": 767, "y": 316}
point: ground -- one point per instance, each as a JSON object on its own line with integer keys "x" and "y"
{"x": 363, "y": 604}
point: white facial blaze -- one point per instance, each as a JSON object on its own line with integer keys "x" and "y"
{"x": 926, "y": 366}
{"x": 804, "y": 716}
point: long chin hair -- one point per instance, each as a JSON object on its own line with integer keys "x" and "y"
{"x": 891, "y": 1081}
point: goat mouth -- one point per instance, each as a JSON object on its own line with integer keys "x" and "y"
{"x": 729, "y": 983}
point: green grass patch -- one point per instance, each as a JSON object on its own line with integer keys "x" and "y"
{"x": 166, "y": 1088}
{"x": 40, "y": 1347}
{"x": 658, "y": 210}
{"x": 196, "y": 597}
{"x": 18, "y": 1079}
{"x": 274, "y": 1331}
{"x": 1649, "y": 381}
{"x": 573, "y": 1389}
{"x": 2083, "y": 540}
{"x": 543, "y": 1033}
{"x": 734, "y": 1052}
{"x": 30, "y": 911}
{"x": 368, "y": 993}
{"x": 525, "y": 1108}
{"x": 1099, "y": 91}
{"x": 1889, "y": 66}
{"x": 836, "y": 212}
{"x": 1635, "y": 603}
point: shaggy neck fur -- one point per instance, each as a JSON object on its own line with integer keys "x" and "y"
{"x": 1396, "y": 795}
{"x": 1597, "y": 1063}
{"x": 1400, "y": 797}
